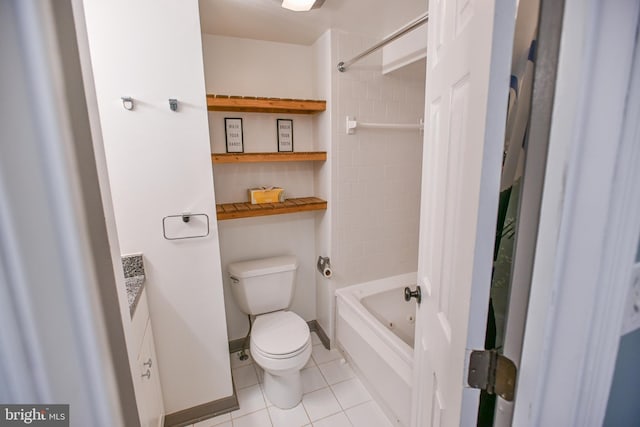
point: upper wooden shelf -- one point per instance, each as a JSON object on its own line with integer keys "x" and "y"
{"x": 298, "y": 156}
{"x": 264, "y": 105}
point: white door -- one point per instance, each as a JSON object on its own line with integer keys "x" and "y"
{"x": 468, "y": 61}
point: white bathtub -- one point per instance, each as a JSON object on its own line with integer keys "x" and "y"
{"x": 375, "y": 331}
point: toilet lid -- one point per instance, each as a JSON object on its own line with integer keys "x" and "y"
{"x": 279, "y": 333}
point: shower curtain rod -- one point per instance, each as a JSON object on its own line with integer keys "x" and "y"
{"x": 343, "y": 65}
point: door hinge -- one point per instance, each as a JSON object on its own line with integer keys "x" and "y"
{"x": 492, "y": 372}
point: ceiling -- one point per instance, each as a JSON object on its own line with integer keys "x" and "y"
{"x": 266, "y": 20}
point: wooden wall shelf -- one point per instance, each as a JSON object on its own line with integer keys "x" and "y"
{"x": 300, "y": 156}
{"x": 264, "y": 105}
{"x": 247, "y": 210}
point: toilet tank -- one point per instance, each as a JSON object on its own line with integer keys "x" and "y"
{"x": 263, "y": 285}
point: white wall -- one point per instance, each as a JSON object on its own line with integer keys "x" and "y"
{"x": 107, "y": 202}
{"x": 159, "y": 165}
{"x": 250, "y": 238}
{"x": 247, "y": 67}
{"x": 235, "y": 66}
{"x": 323, "y": 68}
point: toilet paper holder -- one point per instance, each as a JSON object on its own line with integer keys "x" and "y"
{"x": 324, "y": 266}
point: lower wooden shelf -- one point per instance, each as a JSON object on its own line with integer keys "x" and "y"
{"x": 247, "y": 210}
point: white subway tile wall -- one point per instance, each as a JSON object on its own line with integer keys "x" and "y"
{"x": 376, "y": 188}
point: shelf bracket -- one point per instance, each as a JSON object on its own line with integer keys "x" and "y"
{"x": 352, "y": 124}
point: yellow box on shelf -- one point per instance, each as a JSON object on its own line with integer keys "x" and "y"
{"x": 266, "y": 195}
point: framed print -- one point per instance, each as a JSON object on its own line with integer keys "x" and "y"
{"x": 233, "y": 127}
{"x": 285, "y": 135}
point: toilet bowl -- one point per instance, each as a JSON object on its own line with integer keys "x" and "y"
{"x": 281, "y": 345}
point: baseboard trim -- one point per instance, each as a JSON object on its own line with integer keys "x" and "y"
{"x": 236, "y": 345}
{"x": 202, "y": 412}
{"x": 314, "y": 326}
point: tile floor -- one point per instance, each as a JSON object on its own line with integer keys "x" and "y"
{"x": 333, "y": 397}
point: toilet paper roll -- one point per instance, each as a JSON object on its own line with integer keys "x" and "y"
{"x": 327, "y": 273}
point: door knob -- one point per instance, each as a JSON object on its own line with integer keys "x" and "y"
{"x": 417, "y": 294}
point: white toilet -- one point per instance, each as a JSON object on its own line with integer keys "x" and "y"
{"x": 280, "y": 339}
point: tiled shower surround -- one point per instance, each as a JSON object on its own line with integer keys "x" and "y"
{"x": 377, "y": 172}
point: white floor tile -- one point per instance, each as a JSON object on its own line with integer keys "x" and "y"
{"x": 236, "y": 362}
{"x": 315, "y": 339}
{"x": 264, "y": 394}
{"x": 350, "y": 393}
{"x": 294, "y": 417}
{"x": 227, "y": 424}
{"x": 337, "y": 420}
{"x": 215, "y": 421}
{"x": 320, "y": 404}
{"x": 336, "y": 371}
{"x": 322, "y": 355}
{"x": 310, "y": 363}
{"x": 367, "y": 415}
{"x": 244, "y": 376}
{"x": 312, "y": 380}
{"x": 255, "y": 419}
{"x": 250, "y": 399}
{"x": 260, "y": 373}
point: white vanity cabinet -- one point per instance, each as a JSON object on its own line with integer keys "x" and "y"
{"x": 145, "y": 376}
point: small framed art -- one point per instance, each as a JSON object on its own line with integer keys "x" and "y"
{"x": 233, "y": 127}
{"x": 285, "y": 135}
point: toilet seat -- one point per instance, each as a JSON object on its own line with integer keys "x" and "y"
{"x": 280, "y": 335}
{"x": 281, "y": 356}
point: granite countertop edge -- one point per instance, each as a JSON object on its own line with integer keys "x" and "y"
{"x": 135, "y": 286}
{"x": 134, "y": 277}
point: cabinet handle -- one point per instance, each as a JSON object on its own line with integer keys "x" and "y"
{"x": 147, "y": 374}
{"x": 148, "y": 363}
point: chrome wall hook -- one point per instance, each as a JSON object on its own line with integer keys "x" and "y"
{"x": 127, "y": 103}
{"x": 173, "y": 104}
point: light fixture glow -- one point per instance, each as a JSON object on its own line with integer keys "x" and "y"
{"x": 298, "y": 5}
